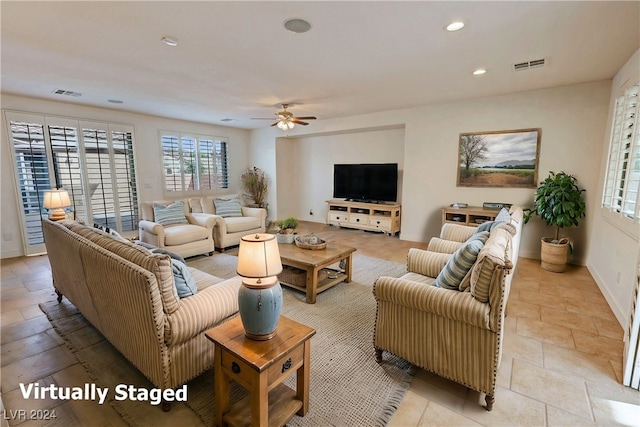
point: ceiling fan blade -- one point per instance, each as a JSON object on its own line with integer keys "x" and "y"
{"x": 274, "y": 124}
{"x": 299, "y": 122}
{"x": 305, "y": 118}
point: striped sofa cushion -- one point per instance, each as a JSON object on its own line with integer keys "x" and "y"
{"x": 171, "y": 214}
{"x": 459, "y": 264}
{"x": 228, "y": 207}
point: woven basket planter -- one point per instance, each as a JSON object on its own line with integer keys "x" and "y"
{"x": 554, "y": 255}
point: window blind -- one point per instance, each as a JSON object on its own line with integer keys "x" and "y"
{"x": 194, "y": 163}
{"x": 622, "y": 180}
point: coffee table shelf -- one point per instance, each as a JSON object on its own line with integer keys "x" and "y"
{"x": 323, "y": 284}
{"x": 312, "y": 262}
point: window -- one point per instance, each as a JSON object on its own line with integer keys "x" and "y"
{"x": 622, "y": 180}
{"x": 194, "y": 163}
{"x": 94, "y": 162}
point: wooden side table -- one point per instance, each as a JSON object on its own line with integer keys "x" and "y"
{"x": 261, "y": 367}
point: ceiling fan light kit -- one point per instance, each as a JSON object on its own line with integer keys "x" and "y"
{"x": 286, "y": 120}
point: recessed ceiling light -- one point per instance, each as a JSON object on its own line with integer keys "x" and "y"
{"x": 170, "y": 41}
{"x": 115, "y": 101}
{"x": 479, "y": 72}
{"x": 455, "y": 26}
{"x": 297, "y": 25}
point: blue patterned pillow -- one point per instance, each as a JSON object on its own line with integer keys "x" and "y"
{"x": 171, "y": 214}
{"x": 185, "y": 283}
{"x": 228, "y": 207}
{"x": 485, "y": 226}
{"x": 459, "y": 265}
{"x": 503, "y": 216}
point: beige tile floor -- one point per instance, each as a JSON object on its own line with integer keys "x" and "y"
{"x": 561, "y": 364}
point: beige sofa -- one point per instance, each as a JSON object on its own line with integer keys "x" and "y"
{"x": 129, "y": 295}
{"x": 456, "y": 334}
{"x": 194, "y": 238}
{"x": 228, "y": 230}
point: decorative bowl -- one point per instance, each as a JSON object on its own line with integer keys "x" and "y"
{"x": 310, "y": 242}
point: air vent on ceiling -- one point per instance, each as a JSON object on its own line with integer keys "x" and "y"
{"x": 227, "y": 120}
{"x": 67, "y": 92}
{"x": 536, "y": 63}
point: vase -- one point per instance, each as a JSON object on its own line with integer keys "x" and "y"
{"x": 259, "y": 310}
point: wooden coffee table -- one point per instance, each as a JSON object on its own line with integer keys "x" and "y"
{"x": 312, "y": 261}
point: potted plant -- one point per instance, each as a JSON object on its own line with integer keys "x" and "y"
{"x": 560, "y": 203}
{"x": 286, "y": 229}
{"x": 255, "y": 185}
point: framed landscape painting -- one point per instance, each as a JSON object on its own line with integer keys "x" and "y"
{"x": 506, "y": 158}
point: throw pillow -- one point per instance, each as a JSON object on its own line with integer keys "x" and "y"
{"x": 146, "y": 245}
{"x": 228, "y": 207}
{"x": 171, "y": 214}
{"x": 172, "y": 255}
{"x": 185, "y": 283}
{"x": 458, "y": 265}
{"x": 109, "y": 231}
{"x": 503, "y": 216}
{"x": 485, "y": 226}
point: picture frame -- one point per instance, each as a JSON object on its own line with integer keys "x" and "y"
{"x": 506, "y": 158}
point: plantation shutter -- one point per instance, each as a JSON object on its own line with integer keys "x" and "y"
{"x": 110, "y": 171}
{"x": 622, "y": 180}
{"x": 32, "y": 174}
{"x": 193, "y": 163}
{"x": 94, "y": 162}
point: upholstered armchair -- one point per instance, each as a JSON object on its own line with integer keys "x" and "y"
{"x": 232, "y": 220}
{"x": 168, "y": 224}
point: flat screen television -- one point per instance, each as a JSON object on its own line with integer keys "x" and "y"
{"x": 367, "y": 182}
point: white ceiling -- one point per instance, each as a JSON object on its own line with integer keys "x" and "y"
{"x": 235, "y": 60}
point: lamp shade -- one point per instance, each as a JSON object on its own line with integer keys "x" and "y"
{"x": 55, "y": 199}
{"x": 258, "y": 256}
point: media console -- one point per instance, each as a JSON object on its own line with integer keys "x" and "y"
{"x": 383, "y": 217}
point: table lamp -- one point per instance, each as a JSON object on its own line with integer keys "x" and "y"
{"x": 55, "y": 200}
{"x": 260, "y": 296}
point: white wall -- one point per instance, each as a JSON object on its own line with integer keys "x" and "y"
{"x": 614, "y": 250}
{"x": 147, "y": 151}
{"x": 305, "y": 167}
{"x": 572, "y": 118}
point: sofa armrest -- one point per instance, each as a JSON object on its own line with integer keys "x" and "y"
{"x": 202, "y": 311}
{"x": 202, "y": 219}
{"x": 446, "y": 303}
{"x": 255, "y": 212}
{"x": 442, "y": 246}
{"x": 151, "y": 232}
{"x": 425, "y": 262}
{"x": 456, "y": 232}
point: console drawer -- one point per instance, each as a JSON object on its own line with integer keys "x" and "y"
{"x": 381, "y": 223}
{"x": 359, "y": 219}
{"x": 340, "y": 217}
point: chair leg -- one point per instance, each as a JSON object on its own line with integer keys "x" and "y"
{"x": 489, "y": 398}
{"x": 211, "y": 253}
{"x": 378, "y": 354}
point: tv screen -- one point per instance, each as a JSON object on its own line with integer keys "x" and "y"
{"x": 369, "y": 182}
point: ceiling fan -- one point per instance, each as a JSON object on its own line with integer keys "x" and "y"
{"x": 285, "y": 120}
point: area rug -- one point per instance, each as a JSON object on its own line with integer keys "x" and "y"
{"x": 347, "y": 388}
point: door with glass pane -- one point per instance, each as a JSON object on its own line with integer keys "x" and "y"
{"x": 94, "y": 162}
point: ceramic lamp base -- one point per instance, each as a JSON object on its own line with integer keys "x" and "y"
{"x": 260, "y": 310}
{"x": 57, "y": 214}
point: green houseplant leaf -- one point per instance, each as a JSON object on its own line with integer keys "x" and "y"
{"x": 559, "y": 201}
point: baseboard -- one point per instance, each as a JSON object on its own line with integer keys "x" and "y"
{"x": 10, "y": 254}
{"x": 617, "y": 310}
